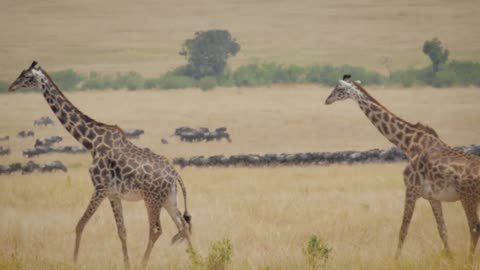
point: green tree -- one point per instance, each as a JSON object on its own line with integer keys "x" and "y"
{"x": 438, "y": 55}
{"x": 207, "y": 52}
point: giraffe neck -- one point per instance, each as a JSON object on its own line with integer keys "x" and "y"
{"x": 95, "y": 136}
{"x": 412, "y": 139}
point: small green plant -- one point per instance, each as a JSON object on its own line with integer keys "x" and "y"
{"x": 316, "y": 252}
{"x": 219, "y": 256}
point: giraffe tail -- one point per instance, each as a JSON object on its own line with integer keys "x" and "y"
{"x": 186, "y": 216}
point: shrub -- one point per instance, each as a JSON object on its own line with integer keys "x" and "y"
{"x": 246, "y": 75}
{"x": 265, "y": 74}
{"x": 131, "y": 80}
{"x": 326, "y": 75}
{"x": 444, "y": 78}
{"x": 466, "y": 72}
{"x": 290, "y": 74}
{"x": 152, "y": 83}
{"x": 185, "y": 70}
{"x": 97, "y": 81}
{"x": 316, "y": 252}
{"x": 329, "y": 75}
{"x": 207, "y": 83}
{"x": 219, "y": 255}
{"x": 406, "y": 78}
{"x": 67, "y": 79}
{"x": 226, "y": 78}
{"x": 171, "y": 81}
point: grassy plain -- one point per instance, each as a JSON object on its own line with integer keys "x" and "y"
{"x": 267, "y": 213}
{"x": 121, "y": 35}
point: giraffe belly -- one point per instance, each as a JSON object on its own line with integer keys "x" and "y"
{"x": 131, "y": 195}
{"x": 447, "y": 194}
{"x": 123, "y": 192}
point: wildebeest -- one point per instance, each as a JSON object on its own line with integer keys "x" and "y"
{"x": 54, "y": 166}
{"x": 7, "y": 169}
{"x": 25, "y": 133}
{"x": 30, "y": 167}
{"x": 4, "y": 151}
{"x": 42, "y": 149}
{"x": 133, "y": 133}
{"x": 43, "y": 121}
{"x": 188, "y": 134}
{"x": 47, "y": 141}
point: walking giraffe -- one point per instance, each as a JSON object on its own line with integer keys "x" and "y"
{"x": 119, "y": 171}
{"x": 435, "y": 171}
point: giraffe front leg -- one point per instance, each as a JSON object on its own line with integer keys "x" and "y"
{"x": 122, "y": 232}
{"x": 441, "y": 226}
{"x": 153, "y": 211}
{"x": 410, "y": 201}
{"x": 95, "y": 201}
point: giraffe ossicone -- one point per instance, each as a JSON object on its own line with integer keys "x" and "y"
{"x": 119, "y": 171}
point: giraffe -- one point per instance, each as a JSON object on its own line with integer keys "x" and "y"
{"x": 435, "y": 171}
{"x": 119, "y": 171}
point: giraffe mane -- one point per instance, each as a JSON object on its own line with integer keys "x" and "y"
{"x": 427, "y": 129}
{"x": 81, "y": 113}
{"x": 361, "y": 89}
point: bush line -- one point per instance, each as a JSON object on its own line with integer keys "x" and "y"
{"x": 454, "y": 73}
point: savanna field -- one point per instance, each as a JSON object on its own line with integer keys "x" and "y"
{"x": 267, "y": 213}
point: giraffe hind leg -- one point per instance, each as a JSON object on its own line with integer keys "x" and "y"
{"x": 181, "y": 223}
{"x": 470, "y": 207}
{"x": 153, "y": 211}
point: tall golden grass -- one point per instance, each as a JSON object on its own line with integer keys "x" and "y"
{"x": 267, "y": 213}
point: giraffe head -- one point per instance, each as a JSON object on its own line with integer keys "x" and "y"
{"x": 26, "y": 79}
{"x": 343, "y": 90}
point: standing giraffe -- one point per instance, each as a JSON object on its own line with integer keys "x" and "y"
{"x": 119, "y": 171}
{"x": 435, "y": 171}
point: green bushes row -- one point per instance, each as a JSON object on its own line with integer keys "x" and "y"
{"x": 454, "y": 73}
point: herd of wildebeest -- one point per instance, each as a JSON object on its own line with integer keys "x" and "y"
{"x": 47, "y": 145}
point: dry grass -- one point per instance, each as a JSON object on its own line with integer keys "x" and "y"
{"x": 112, "y": 35}
{"x": 267, "y": 213}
